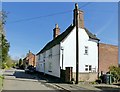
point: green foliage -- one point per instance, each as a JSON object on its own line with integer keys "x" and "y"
{"x": 20, "y": 62}
{"x": 94, "y": 82}
{"x": 1, "y": 82}
{"x": 4, "y": 66}
{"x": 2, "y": 77}
{"x": 9, "y": 62}
{"x": 115, "y": 71}
{"x": 4, "y": 45}
{"x": 13, "y": 64}
{"x": 5, "y": 49}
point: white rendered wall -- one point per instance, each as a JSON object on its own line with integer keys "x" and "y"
{"x": 69, "y": 45}
{"x": 69, "y": 55}
{"x": 92, "y": 57}
{"x": 48, "y": 60}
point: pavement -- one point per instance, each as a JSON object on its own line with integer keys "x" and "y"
{"x": 67, "y": 87}
{"x": 82, "y": 86}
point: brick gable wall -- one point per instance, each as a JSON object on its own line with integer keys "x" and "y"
{"x": 108, "y": 56}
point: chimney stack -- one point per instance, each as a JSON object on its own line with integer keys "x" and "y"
{"x": 56, "y": 31}
{"x": 80, "y": 15}
{"x": 29, "y": 51}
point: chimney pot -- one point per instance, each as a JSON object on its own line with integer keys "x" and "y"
{"x": 56, "y": 26}
{"x": 76, "y": 5}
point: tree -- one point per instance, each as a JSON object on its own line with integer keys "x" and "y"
{"x": 5, "y": 49}
{"x": 20, "y": 64}
{"x": 9, "y": 62}
{"x": 4, "y": 45}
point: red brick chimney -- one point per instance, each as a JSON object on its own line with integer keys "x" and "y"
{"x": 56, "y": 31}
{"x": 81, "y": 17}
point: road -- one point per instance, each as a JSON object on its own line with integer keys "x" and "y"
{"x": 18, "y": 80}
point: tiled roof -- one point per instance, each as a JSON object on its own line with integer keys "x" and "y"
{"x": 59, "y": 38}
{"x": 92, "y": 36}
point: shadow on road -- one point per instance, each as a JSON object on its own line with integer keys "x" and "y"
{"x": 35, "y": 76}
{"x": 22, "y": 74}
{"x": 49, "y": 78}
{"x": 19, "y": 74}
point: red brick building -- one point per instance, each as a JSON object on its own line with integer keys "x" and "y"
{"x": 108, "y": 56}
{"x": 29, "y": 60}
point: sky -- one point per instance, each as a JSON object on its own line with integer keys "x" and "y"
{"x": 30, "y": 25}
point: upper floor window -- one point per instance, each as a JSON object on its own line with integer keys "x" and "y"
{"x": 86, "y": 50}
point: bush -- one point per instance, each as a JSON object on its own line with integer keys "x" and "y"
{"x": 115, "y": 72}
{"x": 2, "y": 77}
{"x": 4, "y": 66}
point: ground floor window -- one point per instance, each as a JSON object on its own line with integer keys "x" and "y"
{"x": 88, "y": 67}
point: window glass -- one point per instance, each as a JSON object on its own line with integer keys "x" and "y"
{"x": 90, "y": 68}
{"x": 86, "y": 50}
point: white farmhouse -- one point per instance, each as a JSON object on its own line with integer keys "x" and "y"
{"x": 61, "y": 51}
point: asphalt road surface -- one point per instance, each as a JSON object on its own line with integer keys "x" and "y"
{"x": 18, "y": 80}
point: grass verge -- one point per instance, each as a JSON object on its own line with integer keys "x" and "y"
{"x": 1, "y": 82}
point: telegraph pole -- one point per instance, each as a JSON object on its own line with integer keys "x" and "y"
{"x": 77, "y": 44}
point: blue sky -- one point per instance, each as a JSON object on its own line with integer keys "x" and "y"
{"x": 24, "y": 35}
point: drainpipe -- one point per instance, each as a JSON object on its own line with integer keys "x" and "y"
{"x": 62, "y": 55}
{"x": 98, "y": 60}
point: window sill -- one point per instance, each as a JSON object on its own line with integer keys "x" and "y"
{"x": 49, "y": 71}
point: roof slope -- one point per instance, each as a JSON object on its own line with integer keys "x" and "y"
{"x": 59, "y": 38}
{"x": 92, "y": 36}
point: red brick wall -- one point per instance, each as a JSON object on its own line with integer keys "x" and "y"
{"x": 31, "y": 58}
{"x": 108, "y": 56}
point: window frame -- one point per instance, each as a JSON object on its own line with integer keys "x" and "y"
{"x": 86, "y": 50}
{"x": 88, "y": 68}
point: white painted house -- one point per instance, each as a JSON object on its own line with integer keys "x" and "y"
{"x": 61, "y": 51}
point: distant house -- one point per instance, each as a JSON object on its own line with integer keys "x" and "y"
{"x": 61, "y": 51}
{"x": 29, "y": 60}
{"x": 108, "y": 56}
